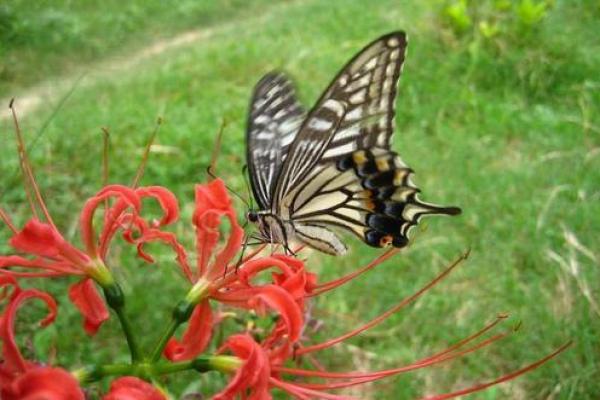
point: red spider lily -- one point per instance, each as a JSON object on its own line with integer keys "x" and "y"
{"x": 264, "y": 363}
{"x": 216, "y": 279}
{"x": 131, "y": 388}
{"x": 54, "y": 256}
{"x": 21, "y": 379}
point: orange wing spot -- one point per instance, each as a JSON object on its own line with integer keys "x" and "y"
{"x": 399, "y": 176}
{"x": 386, "y": 240}
{"x": 382, "y": 164}
{"x": 359, "y": 157}
{"x": 370, "y": 205}
{"x": 367, "y": 194}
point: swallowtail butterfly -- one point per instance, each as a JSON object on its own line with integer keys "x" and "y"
{"x": 332, "y": 167}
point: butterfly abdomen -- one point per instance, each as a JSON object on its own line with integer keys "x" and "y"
{"x": 389, "y": 196}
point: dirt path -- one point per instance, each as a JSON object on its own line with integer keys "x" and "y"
{"x": 56, "y": 87}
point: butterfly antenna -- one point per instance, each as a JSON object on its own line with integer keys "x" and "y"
{"x": 216, "y": 150}
{"x": 211, "y": 173}
{"x": 247, "y": 181}
{"x": 210, "y": 170}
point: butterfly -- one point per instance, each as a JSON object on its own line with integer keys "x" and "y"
{"x": 313, "y": 173}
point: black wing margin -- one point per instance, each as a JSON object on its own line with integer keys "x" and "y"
{"x": 274, "y": 119}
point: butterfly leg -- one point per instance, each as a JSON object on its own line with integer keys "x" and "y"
{"x": 288, "y": 250}
{"x": 245, "y": 244}
{"x": 239, "y": 261}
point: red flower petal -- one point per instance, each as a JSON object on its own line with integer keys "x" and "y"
{"x": 13, "y": 362}
{"x": 37, "y": 238}
{"x": 127, "y": 197}
{"x": 232, "y": 247}
{"x": 88, "y": 301}
{"x": 253, "y": 375}
{"x": 207, "y": 237}
{"x": 44, "y": 240}
{"x": 51, "y": 268}
{"x": 251, "y": 268}
{"x": 169, "y": 238}
{"x": 212, "y": 196}
{"x": 43, "y": 383}
{"x": 166, "y": 199}
{"x": 196, "y": 336}
{"x": 131, "y": 388}
{"x": 280, "y": 300}
{"x": 273, "y": 297}
{"x": 8, "y": 280}
{"x": 212, "y": 201}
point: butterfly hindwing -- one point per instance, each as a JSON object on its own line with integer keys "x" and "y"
{"x": 274, "y": 119}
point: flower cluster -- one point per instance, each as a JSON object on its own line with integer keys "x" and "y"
{"x": 275, "y": 287}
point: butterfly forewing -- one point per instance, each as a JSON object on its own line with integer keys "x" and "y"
{"x": 356, "y": 111}
{"x": 274, "y": 119}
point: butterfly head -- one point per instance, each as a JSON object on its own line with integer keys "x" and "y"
{"x": 261, "y": 220}
{"x": 252, "y": 216}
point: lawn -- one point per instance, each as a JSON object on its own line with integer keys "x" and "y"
{"x": 497, "y": 113}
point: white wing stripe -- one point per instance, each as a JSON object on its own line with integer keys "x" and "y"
{"x": 320, "y": 124}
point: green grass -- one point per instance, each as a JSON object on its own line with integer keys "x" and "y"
{"x": 40, "y": 40}
{"x": 508, "y": 130}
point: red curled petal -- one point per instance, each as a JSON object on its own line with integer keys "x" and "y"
{"x": 294, "y": 263}
{"x": 280, "y": 300}
{"x": 131, "y": 388}
{"x": 212, "y": 196}
{"x": 206, "y": 220}
{"x": 43, "y": 383}
{"x": 37, "y": 238}
{"x": 169, "y": 238}
{"x": 166, "y": 199}
{"x": 253, "y": 375}
{"x": 212, "y": 201}
{"x": 232, "y": 247}
{"x": 13, "y": 361}
{"x": 196, "y": 337}
{"x": 272, "y": 296}
{"x": 88, "y": 301}
{"x": 127, "y": 197}
{"x": 250, "y": 269}
{"x": 8, "y": 280}
{"x": 207, "y": 237}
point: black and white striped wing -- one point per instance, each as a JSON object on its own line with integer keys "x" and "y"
{"x": 274, "y": 119}
{"x": 356, "y": 111}
{"x": 341, "y": 172}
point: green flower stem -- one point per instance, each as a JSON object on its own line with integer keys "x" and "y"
{"x": 226, "y": 364}
{"x": 134, "y": 349}
{"x": 116, "y": 300}
{"x": 181, "y": 314}
{"x": 162, "y": 342}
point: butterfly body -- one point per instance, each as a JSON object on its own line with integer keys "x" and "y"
{"x": 312, "y": 173}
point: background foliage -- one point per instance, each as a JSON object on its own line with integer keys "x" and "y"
{"x": 497, "y": 112}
